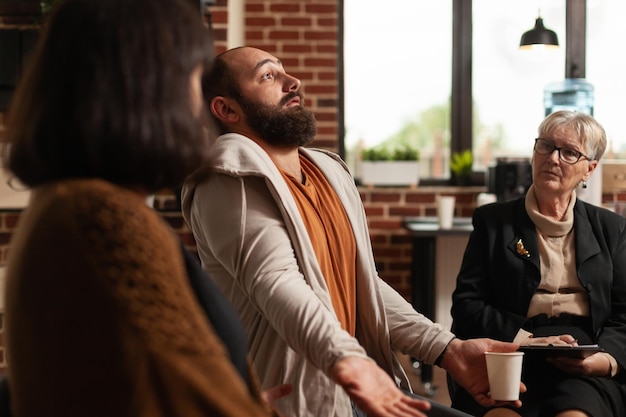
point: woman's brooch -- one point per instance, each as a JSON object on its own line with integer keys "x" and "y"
{"x": 521, "y": 249}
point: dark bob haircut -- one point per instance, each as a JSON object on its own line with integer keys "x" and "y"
{"x": 106, "y": 95}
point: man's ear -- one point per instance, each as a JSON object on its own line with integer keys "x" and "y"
{"x": 223, "y": 110}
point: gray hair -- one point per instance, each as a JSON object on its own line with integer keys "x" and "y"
{"x": 588, "y": 130}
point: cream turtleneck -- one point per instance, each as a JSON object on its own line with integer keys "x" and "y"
{"x": 560, "y": 290}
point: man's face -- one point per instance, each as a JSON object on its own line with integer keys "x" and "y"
{"x": 279, "y": 125}
{"x": 270, "y": 99}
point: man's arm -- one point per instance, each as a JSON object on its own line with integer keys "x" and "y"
{"x": 411, "y": 332}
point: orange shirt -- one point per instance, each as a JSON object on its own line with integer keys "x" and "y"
{"x": 332, "y": 238}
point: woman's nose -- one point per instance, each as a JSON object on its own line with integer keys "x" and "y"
{"x": 556, "y": 155}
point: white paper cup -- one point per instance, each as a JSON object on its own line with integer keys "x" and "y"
{"x": 505, "y": 373}
{"x": 445, "y": 211}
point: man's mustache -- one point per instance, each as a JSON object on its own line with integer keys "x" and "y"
{"x": 290, "y": 96}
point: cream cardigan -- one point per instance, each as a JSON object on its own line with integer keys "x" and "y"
{"x": 251, "y": 239}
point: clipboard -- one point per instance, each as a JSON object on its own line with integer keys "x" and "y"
{"x": 562, "y": 350}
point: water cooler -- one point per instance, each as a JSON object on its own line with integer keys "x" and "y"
{"x": 569, "y": 94}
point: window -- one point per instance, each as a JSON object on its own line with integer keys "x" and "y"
{"x": 508, "y": 83}
{"x": 606, "y": 70}
{"x": 397, "y": 59}
{"x": 399, "y": 71}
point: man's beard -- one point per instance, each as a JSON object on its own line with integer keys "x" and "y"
{"x": 278, "y": 125}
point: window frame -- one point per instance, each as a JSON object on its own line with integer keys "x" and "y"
{"x": 461, "y": 84}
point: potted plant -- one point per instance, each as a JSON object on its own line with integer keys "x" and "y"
{"x": 461, "y": 167}
{"x": 383, "y": 165}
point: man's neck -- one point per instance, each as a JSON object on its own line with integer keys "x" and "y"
{"x": 286, "y": 159}
{"x": 289, "y": 162}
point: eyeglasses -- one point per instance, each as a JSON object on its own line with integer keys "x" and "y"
{"x": 567, "y": 155}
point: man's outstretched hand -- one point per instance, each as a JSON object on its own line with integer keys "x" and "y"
{"x": 271, "y": 395}
{"x": 373, "y": 390}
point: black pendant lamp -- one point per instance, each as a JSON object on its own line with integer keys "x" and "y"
{"x": 539, "y": 37}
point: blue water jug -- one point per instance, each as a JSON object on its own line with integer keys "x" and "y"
{"x": 570, "y": 94}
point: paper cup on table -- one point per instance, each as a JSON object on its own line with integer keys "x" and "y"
{"x": 505, "y": 373}
{"x": 445, "y": 211}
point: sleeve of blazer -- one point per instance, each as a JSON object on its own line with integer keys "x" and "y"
{"x": 607, "y": 284}
{"x": 492, "y": 289}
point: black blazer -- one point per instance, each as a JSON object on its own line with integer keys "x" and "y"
{"x": 496, "y": 283}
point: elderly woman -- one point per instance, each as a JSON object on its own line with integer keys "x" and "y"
{"x": 550, "y": 268}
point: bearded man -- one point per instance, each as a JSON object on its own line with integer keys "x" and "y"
{"x": 283, "y": 231}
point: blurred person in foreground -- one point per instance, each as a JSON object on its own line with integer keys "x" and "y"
{"x": 106, "y": 314}
{"x": 282, "y": 229}
{"x": 551, "y": 269}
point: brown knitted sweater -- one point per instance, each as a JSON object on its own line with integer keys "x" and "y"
{"x": 100, "y": 318}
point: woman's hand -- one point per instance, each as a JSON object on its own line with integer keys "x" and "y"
{"x": 564, "y": 339}
{"x": 597, "y": 364}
